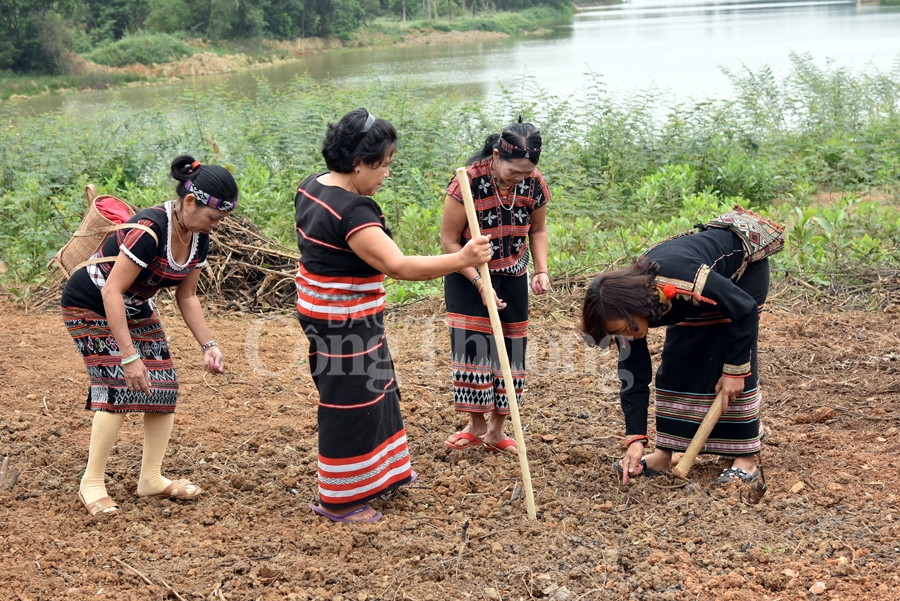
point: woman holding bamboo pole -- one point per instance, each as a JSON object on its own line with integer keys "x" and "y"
{"x": 346, "y": 251}
{"x": 511, "y": 198}
{"x": 708, "y": 288}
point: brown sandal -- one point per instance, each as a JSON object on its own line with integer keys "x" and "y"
{"x": 177, "y": 490}
{"x": 99, "y": 506}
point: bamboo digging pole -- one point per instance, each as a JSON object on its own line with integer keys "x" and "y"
{"x": 497, "y": 328}
{"x": 687, "y": 460}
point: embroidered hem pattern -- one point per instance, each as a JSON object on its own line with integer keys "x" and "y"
{"x": 478, "y": 383}
{"x": 103, "y": 360}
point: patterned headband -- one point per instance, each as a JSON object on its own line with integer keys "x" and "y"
{"x": 520, "y": 153}
{"x": 210, "y": 201}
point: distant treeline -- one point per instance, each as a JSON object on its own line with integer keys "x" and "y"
{"x": 36, "y": 34}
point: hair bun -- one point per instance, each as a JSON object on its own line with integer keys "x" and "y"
{"x": 183, "y": 166}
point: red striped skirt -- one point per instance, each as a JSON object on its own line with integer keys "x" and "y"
{"x": 103, "y": 360}
{"x": 362, "y": 440}
{"x": 478, "y": 385}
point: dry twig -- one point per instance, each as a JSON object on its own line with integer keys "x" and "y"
{"x": 142, "y": 577}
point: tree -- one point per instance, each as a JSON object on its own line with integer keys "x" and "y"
{"x": 34, "y": 34}
{"x": 111, "y": 20}
{"x": 170, "y": 16}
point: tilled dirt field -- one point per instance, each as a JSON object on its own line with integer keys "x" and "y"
{"x": 827, "y": 528}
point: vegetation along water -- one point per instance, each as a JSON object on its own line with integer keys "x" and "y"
{"x": 624, "y": 170}
{"x": 76, "y": 44}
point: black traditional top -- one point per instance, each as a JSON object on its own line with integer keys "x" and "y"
{"x": 507, "y": 222}
{"x": 160, "y": 270}
{"x": 333, "y": 282}
{"x": 699, "y": 267}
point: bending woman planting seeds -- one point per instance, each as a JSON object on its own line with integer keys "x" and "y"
{"x": 108, "y": 310}
{"x": 708, "y": 289}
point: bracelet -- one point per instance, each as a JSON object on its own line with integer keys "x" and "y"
{"x": 131, "y": 359}
{"x": 537, "y": 273}
{"x": 639, "y": 438}
{"x": 208, "y": 345}
{"x": 476, "y": 278}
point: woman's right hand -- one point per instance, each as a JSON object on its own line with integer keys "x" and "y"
{"x": 499, "y": 301}
{"x": 631, "y": 462}
{"x": 477, "y": 251}
{"x": 137, "y": 377}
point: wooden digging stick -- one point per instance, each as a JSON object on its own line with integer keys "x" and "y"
{"x": 497, "y": 328}
{"x": 687, "y": 460}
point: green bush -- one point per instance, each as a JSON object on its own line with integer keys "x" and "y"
{"x": 624, "y": 171}
{"x": 143, "y": 48}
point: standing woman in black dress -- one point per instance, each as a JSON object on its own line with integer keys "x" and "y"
{"x": 510, "y": 197}
{"x": 346, "y": 252}
{"x": 108, "y": 309}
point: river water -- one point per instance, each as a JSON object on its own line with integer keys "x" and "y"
{"x": 675, "y": 45}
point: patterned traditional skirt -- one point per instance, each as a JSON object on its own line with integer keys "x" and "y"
{"x": 362, "y": 441}
{"x": 478, "y": 385}
{"x": 103, "y": 359}
{"x": 691, "y": 365}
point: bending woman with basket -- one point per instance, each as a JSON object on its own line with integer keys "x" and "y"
{"x": 708, "y": 288}
{"x": 107, "y": 307}
{"x": 346, "y": 251}
{"x": 511, "y": 198}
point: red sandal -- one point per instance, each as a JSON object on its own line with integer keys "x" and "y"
{"x": 471, "y": 439}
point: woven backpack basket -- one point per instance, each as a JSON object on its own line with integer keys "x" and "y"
{"x": 91, "y": 234}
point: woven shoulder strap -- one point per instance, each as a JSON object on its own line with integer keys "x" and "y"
{"x": 112, "y": 228}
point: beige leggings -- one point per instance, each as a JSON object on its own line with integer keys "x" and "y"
{"x": 105, "y": 431}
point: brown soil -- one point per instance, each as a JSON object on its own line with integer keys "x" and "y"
{"x": 426, "y": 37}
{"x": 829, "y": 521}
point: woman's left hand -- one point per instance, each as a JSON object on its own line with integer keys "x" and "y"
{"x": 540, "y": 283}
{"x": 213, "y": 360}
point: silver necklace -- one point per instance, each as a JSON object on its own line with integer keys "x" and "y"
{"x": 497, "y": 193}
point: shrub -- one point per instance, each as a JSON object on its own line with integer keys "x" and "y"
{"x": 144, "y": 48}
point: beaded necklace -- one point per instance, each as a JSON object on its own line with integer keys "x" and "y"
{"x": 497, "y": 191}
{"x": 178, "y": 221}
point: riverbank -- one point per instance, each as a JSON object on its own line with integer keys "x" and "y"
{"x": 206, "y": 58}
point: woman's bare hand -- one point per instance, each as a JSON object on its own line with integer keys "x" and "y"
{"x": 477, "y": 251}
{"x": 499, "y": 301}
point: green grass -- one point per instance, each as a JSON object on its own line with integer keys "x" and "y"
{"x": 624, "y": 171}
{"x": 511, "y": 23}
{"x": 17, "y": 85}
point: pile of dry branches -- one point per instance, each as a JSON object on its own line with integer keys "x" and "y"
{"x": 245, "y": 271}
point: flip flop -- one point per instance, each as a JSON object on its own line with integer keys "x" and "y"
{"x": 413, "y": 477}
{"x": 501, "y": 447}
{"x": 735, "y": 473}
{"x": 177, "y": 489}
{"x": 99, "y": 506}
{"x": 471, "y": 439}
{"x": 345, "y": 518}
{"x": 650, "y": 473}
